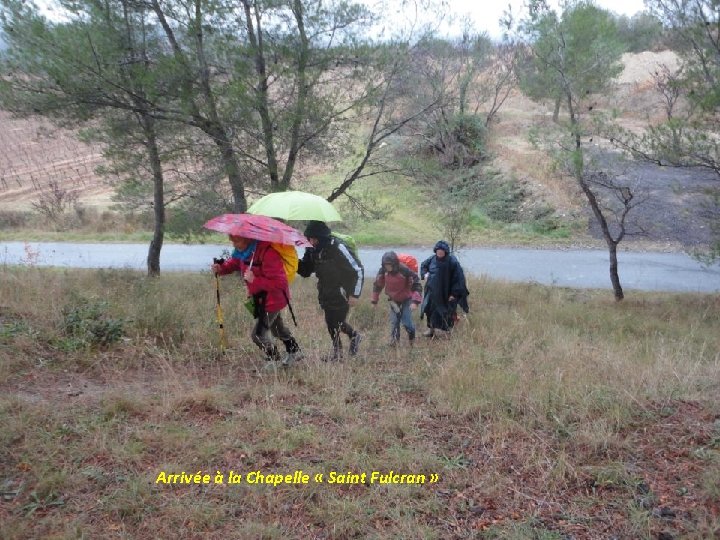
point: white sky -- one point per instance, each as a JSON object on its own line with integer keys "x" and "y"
{"x": 484, "y": 14}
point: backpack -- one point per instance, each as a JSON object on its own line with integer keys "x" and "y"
{"x": 289, "y": 258}
{"x": 349, "y": 241}
{"x": 409, "y": 261}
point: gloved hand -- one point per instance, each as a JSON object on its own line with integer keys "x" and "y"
{"x": 216, "y": 264}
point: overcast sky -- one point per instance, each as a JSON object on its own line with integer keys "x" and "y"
{"x": 485, "y": 14}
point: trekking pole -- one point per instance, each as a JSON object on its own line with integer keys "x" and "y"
{"x": 218, "y": 309}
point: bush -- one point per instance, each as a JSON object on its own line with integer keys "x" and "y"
{"x": 11, "y": 219}
{"x": 54, "y": 202}
{"x": 87, "y": 324}
{"x": 501, "y": 200}
{"x": 460, "y": 141}
{"x": 471, "y": 133}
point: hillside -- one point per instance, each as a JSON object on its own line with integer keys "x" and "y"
{"x": 634, "y": 97}
{"x": 34, "y": 154}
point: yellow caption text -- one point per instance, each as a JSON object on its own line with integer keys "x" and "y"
{"x": 294, "y": 478}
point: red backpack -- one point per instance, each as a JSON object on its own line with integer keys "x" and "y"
{"x": 409, "y": 261}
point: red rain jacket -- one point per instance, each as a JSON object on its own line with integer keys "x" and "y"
{"x": 267, "y": 266}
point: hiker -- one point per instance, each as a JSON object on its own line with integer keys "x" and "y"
{"x": 262, "y": 270}
{"x": 340, "y": 278}
{"x": 445, "y": 290}
{"x": 404, "y": 292}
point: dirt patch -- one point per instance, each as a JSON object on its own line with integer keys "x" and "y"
{"x": 64, "y": 389}
{"x": 639, "y": 66}
{"x": 657, "y": 467}
{"x": 673, "y": 201}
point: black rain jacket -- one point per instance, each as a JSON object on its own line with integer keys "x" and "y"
{"x": 340, "y": 275}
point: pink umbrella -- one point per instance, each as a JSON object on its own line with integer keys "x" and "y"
{"x": 257, "y": 228}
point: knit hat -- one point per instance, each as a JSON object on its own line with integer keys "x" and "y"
{"x": 317, "y": 229}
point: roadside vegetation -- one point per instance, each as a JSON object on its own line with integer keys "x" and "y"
{"x": 496, "y": 217}
{"x": 551, "y": 413}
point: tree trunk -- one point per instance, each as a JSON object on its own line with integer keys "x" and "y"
{"x": 213, "y": 125}
{"x": 153, "y": 259}
{"x": 614, "y": 278}
{"x": 302, "y": 92}
{"x": 556, "y": 110}
{"x": 263, "y": 109}
{"x": 579, "y": 172}
{"x": 611, "y": 243}
{"x": 232, "y": 168}
{"x": 219, "y": 133}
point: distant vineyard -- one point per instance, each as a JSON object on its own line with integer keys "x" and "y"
{"x": 34, "y": 154}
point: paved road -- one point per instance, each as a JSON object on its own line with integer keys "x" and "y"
{"x": 571, "y": 268}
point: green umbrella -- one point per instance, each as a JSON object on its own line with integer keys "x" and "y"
{"x": 295, "y": 205}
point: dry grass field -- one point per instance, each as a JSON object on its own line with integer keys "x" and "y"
{"x": 551, "y": 413}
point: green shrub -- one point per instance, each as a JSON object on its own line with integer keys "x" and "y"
{"x": 459, "y": 141}
{"x": 87, "y": 324}
{"x": 470, "y": 131}
{"x": 186, "y": 218}
{"x": 11, "y": 219}
{"x": 9, "y": 328}
{"x": 501, "y": 200}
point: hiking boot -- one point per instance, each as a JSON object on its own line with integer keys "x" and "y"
{"x": 355, "y": 343}
{"x": 290, "y": 358}
{"x": 272, "y": 354}
{"x": 429, "y": 332}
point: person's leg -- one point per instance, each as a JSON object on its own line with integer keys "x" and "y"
{"x": 407, "y": 321}
{"x": 450, "y": 317}
{"x": 429, "y": 310}
{"x": 259, "y": 336}
{"x": 343, "y": 326}
{"x": 334, "y": 320}
{"x": 342, "y": 313}
{"x": 283, "y": 333}
{"x": 394, "y": 318}
{"x": 438, "y": 320}
{"x": 441, "y": 323}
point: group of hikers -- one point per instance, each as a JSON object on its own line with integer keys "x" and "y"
{"x": 340, "y": 278}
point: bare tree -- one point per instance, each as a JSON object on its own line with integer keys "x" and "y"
{"x": 53, "y": 202}
{"x": 688, "y": 135}
{"x": 578, "y": 51}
